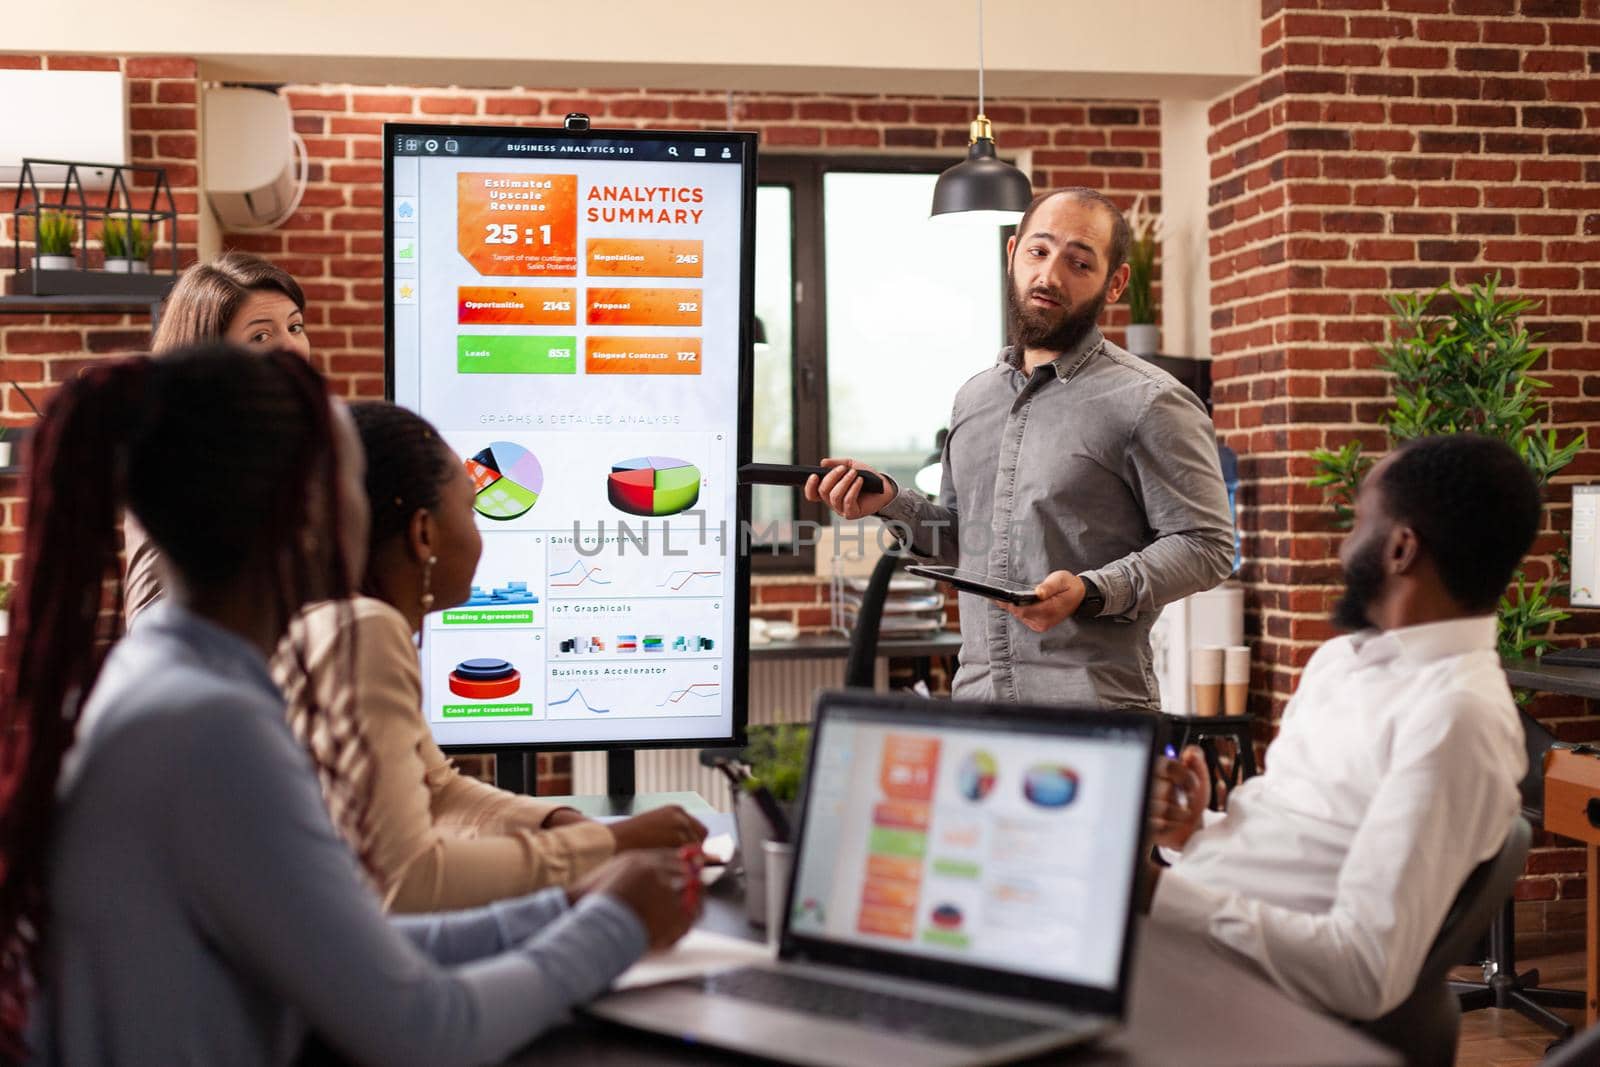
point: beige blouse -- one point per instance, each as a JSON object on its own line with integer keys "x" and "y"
{"x": 141, "y": 580}
{"x": 437, "y": 839}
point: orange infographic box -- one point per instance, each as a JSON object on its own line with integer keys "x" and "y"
{"x": 480, "y": 305}
{"x": 620, "y": 257}
{"x": 897, "y": 815}
{"x": 887, "y": 922}
{"x": 642, "y": 355}
{"x": 893, "y": 868}
{"x": 644, "y": 307}
{"x": 907, "y": 770}
{"x": 885, "y": 894}
{"x": 523, "y": 225}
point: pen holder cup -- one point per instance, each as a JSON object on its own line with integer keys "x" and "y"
{"x": 754, "y": 831}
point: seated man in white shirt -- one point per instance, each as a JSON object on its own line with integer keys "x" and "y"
{"x": 1396, "y": 766}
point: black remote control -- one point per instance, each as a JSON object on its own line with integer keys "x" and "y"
{"x": 796, "y": 474}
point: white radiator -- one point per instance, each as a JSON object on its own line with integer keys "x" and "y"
{"x": 780, "y": 691}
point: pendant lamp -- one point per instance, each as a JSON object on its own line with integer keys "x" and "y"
{"x": 982, "y": 188}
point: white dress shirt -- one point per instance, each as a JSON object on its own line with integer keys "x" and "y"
{"x": 1394, "y": 773}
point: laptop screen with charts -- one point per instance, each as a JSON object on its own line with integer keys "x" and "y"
{"x": 989, "y": 846}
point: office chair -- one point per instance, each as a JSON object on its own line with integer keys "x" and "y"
{"x": 1580, "y": 1051}
{"x": 1502, "y": 986}
{"x": 1425, "y": 1028}
{"x": 860, "y": 669}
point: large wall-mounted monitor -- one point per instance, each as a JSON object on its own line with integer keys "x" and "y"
{"x": 569, "y": 308}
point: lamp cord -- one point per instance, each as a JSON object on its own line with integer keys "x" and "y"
{"x": 980, "y": 57}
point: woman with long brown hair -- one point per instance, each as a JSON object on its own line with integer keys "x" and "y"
{"x": 239, "y": 299}
{"x": 171, "y": 888}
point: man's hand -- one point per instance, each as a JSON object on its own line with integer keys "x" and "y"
{"x": 1179, "y": 793}
{"x": 667, "y": 827}
{"x": 841, "y": 489}
{"x": 652, "y": 884}
{"x": 1059, "y": 596}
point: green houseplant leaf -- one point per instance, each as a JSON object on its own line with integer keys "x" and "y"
{"x": 1460, "y": 362}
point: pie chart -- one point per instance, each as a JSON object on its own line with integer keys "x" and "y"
{"x": 1050, "y": 786}
{"x": 508, "y": 479}
{"x": 653, "y": 485}
{"x": 976, "y": 775}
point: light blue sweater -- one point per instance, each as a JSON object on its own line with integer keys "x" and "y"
{"x": 204, "y": 911}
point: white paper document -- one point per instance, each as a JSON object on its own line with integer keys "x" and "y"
{"x": 700, "y": 952}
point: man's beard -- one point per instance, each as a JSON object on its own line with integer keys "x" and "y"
{"x": 1033, "y": 327}
{"x": 1363, "y": 582}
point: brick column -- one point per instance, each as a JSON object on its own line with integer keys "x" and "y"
{"x": 1392, "y": 145}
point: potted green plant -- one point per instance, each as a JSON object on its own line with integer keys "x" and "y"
{"x": 776, "y": 756}
{"x": 1462, "y": 363}
{"x": 141, "y": 242}
{"x": 114, "y": 243}
{"x": 5, "y": 608}
{"x": 127, "y": 246}
{"x": 1144, "y": 335}
{"x": 57, "y": 234}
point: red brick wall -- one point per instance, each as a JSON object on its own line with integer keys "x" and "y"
{"x": 333, "y": 244}
{"x": 1391, "y": 145}
{"x": 40, "y": 351}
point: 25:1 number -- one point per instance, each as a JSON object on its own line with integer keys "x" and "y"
{"x": 507, "y": 233}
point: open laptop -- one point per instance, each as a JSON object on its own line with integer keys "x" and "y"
{"x": 963, "y": 891}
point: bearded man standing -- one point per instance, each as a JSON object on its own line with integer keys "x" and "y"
{"x": 1071, "y": 464}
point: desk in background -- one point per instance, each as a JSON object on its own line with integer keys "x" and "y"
{"x": 1547, "y": 678}
{"x": 1572, "y": 809}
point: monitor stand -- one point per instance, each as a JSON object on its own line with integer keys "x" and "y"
{"x": 620, "y": 783}
{"x": 515, "y": 770}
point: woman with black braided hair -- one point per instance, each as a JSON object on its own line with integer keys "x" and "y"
{"x": 435, "y": 839}
{"x": 171, "y": 889}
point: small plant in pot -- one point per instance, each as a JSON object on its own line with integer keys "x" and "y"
{"x": 127, "y": 246}
{"x": 1148, "y": 230}
{"x": 58, "y": 233}
{"x": 141, "y": 242}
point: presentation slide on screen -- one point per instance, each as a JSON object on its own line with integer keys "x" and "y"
{"x": 566, "y": 311}
{"x": 1002, "y": 850}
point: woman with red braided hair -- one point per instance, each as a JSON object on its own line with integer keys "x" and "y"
{"x": 171, "y": 888}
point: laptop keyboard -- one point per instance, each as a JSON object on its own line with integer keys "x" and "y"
{"x": 893, "y": 1012}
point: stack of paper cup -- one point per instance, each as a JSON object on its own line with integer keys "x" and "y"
{"x": 1236, "y": 679}
{"x": 1205, "y": 674}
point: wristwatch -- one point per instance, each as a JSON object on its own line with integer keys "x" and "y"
{"x": 1093, "y": 602}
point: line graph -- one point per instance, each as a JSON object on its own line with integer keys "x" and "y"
{"x": 678, "y": 579}
{"x": 589, "y": 574}
{"x": 604, "y": 562}
{"x": 634, "y": 689}
{"x": 577, "y": 694}
{"x": 697, "y": 689}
